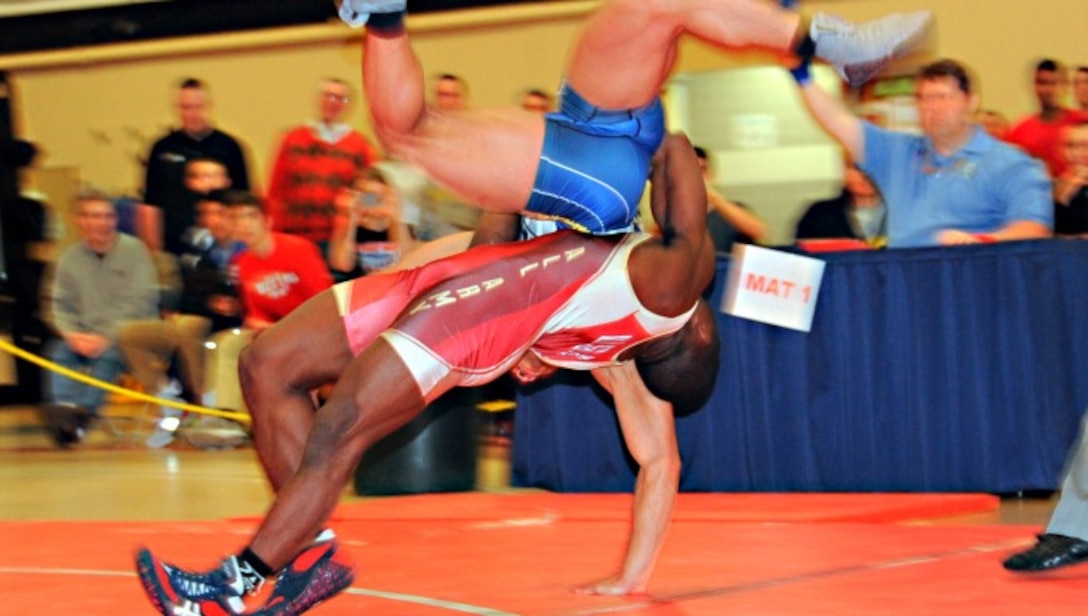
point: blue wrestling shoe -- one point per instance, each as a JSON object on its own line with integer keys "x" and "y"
{"x": 321, "y": 571}
{"x": 356, "y": 13}
{"x": 175, "y": 592}
{"x": 860, "y": 51}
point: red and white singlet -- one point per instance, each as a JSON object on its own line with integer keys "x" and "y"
{"x": 467, "y": 319}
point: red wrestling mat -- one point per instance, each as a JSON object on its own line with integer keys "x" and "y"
{"x": 499, "y": 565}
{"x": 746, "y": 507}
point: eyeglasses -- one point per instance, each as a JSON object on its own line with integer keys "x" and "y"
{"x": 333, "y": 96}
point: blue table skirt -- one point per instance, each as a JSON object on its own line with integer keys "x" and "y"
{"x": 935, "y": 369}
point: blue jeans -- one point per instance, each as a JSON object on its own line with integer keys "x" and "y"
{"x": 61, "y": 389}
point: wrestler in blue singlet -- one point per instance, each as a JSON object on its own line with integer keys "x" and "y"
{"x": 595, "y": 163}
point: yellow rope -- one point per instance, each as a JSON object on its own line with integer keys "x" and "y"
{"x": 128, "y": 393}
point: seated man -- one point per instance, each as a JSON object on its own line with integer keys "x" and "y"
{"x": 586, "y": 165}
{"x": 857, "y": 212}
{"x": 99, "y": 283}
{"x": 208, "y": 303}
{"x": 277, "y": 272}
{"x": 396, "y": 341}
{"x": 367, "y": 231}
{"x": 953, "y": 184}
{"x": 1071, "y": 187}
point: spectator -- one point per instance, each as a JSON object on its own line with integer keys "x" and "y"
{"x": 537, "y": 101}
{"x": 99, "y": 283}
{"x": 202, "y": 176}
{"x": 1065, "y": 541}
{"x": 954, "y": 184}
{"x": 727, "y": 221}
{"x": 171, "y": 206}
{"x": 1040, "y": 134}
{"x": 450, "y": 93}
{"x": 24, "y": 224}
{"x": 314, "y": 161}
{"x": 995, "y": 123}
{"x": 368, "y": 234}
{"x": 209, "y": 303}
{"x": 276, "y": 272}
{"x": 1080, "y": 88}
{"x": 857, "y": 213}
{"x": 434, "y": 211}
{"x": 1071, "y": 187}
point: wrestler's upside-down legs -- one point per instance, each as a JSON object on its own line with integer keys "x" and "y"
{"x": 620, "y": 61}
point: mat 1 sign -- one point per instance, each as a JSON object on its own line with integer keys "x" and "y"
{"x": 773, "y": 287}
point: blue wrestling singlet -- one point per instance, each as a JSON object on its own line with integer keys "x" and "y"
{"x": 595, "y": 164}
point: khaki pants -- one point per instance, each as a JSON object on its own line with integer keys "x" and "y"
{"x": 224, "y": 391}
{"x": 148, "y": 345}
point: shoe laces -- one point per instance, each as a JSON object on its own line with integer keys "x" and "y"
{"x": 224, "y": 580}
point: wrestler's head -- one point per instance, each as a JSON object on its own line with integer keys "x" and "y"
{"x": 682, "y": 368}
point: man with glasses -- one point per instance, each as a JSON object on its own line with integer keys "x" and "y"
{"x": 314, "y": 161}
{"x": 954, "y": 183}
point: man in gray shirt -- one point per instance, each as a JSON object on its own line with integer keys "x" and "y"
{"x": 103, "y": 280}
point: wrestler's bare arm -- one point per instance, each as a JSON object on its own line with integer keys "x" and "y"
{"x": 650, "y": 435}
{"x": 669, "y": 273}
{"x": 495, "y": 227}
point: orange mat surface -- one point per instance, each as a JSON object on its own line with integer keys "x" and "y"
{"x": 463, "y": 564}
{"x": 741, "y": 507}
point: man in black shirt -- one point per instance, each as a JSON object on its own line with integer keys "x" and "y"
{"x": 172, "y": 205}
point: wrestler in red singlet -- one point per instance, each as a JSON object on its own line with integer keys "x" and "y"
{"x": 565, "y": 296}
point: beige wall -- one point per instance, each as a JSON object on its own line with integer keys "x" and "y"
{"x": 102, "y": 115}
{"x": 99, "y": 109}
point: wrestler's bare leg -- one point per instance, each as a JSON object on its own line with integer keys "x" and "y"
{"x": 620, "y": 61}
{"x": 376, "y": 395}
{"x": 628, "y": 47}
{"x": 305, "y": 350}
{"x": 489, "y": 157}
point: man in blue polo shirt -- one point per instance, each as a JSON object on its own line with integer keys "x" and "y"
{"x": 954, "y": 184}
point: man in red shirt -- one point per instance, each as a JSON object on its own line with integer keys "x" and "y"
{"x": 1040, "y": 134}
{"x": 277, "y": 272}
{"x": 314, "y": 161}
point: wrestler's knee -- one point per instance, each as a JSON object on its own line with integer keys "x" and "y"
{"x": 248, "y": 368}
{"x": 262, "y": 365}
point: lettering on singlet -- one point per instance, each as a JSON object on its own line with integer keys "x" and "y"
{"x": 449, "y": 297}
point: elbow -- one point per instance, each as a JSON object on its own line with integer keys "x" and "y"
{"x": 664, "y": 469}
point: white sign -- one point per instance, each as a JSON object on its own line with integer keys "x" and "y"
{"x": 771, "y": 286}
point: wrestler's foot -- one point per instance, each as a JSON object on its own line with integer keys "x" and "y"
{"x": 356, "y": 13}
{"x": 175, "y": 591}
{"x": 318, "y": 573}
{"x": 860, "y": 51}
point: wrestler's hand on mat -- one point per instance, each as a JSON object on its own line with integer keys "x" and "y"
{"x": 614, "y": 585}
